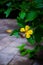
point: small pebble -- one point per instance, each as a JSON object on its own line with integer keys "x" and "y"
{"x": 9, "y": 31}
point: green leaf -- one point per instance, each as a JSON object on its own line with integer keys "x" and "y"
{"x": 29, "y": 51}
{"x": 39, "y": 3}
{"x": 22, "y": 46}
{"x": 31, "y": 55}
{"x": 41, "y": 26}
{"x": 22, "y": 15}
{"x": 3, "y": 1}
{"x": 38, "y": 34}
{"x": 20, "y": 22}
{"x": 21, "y": 49}
{"x": 15, "y": 33}
{"x": 25, "y": 5}
{"x": 7, "y": 12}
{"x": 31, "y": 40}
{"x": 31, "y": 16}
{"x": 9, "y": 4}
{"x": 24, "y": 53}
{"x": 2, "y": 10}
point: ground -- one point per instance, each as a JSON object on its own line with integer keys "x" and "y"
{"x": 9, "y": 53}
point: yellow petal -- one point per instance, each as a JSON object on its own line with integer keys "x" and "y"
{"x": 30, "y": 32}
{"x": 27, "y": 36}
{"x": 27, "y": 28}
{"x": 22, "y": 30}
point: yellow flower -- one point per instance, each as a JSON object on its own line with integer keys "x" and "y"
{"x": 27, "y": 36}
{"x": 27, "y": 28}
{"x": 22, "y": 30}
{"x": 30, "y": 32}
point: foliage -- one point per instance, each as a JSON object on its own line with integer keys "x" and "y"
{"x": 31, "y": 12}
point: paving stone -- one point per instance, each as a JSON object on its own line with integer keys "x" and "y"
{"x": 6, "y": 41}
{"x": 1, "y": 47}
{"x": 5, "y": 58}
{"x": 3, "y": 36}
{"x": 4, "y": 22}
{"x": 15, "y": 44}
{"x": 13, "y": 38}
{"x": 21, "y": 40}
{"x": 10, "y": 50}
{"x": 12, "y": 41}
{"x": 3, "y": 28}
{"x": 19, "y": 60}
{"x": 7, "y": 24}
{"x": 9, "y": 39}
{"x": 3, "y": 43}
{"x": 9, "y": 53}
